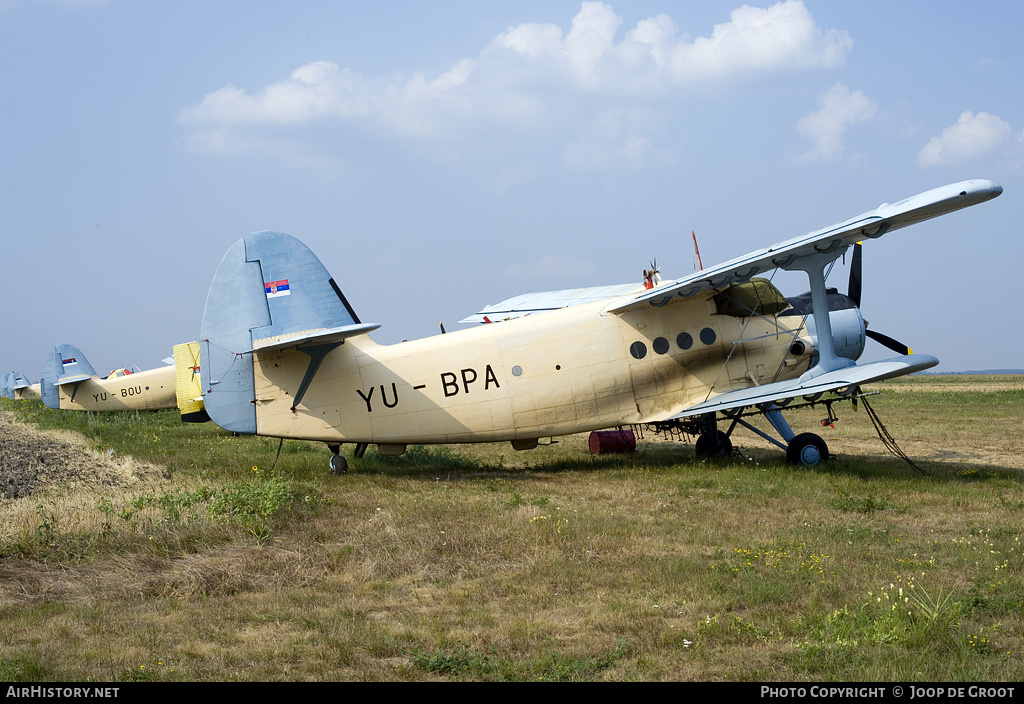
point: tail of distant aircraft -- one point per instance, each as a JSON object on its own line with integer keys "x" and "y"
{"x": 187, "y": 386}
{"x": 16, "y": 385}
{"x": 65, "y": 364}
{"x": 270, "y": 292}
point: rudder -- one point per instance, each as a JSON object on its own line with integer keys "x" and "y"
{"x": 187, "y": 387}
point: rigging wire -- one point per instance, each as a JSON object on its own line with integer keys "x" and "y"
{"x": 887, "y": 439}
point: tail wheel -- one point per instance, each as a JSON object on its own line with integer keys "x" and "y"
{"x": 713, "y": 444}
{"x": 807, "y": 450}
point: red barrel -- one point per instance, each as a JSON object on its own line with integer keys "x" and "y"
{"x": 621, "y": 440}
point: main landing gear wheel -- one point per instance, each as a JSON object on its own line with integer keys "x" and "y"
{"x": 713, "y": 444}
{"x": 806, "y": 449}
{"x": 339, "y": 465}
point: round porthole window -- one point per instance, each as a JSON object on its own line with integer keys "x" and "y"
{"x": 684, "y": 340}
{"x": 638, "y": 350}
{"x": 517, "y": 370}
{"x": 708, "y": 336}
{"x": 660, "y": 345}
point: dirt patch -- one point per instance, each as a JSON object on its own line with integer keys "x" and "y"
{"x": 31, "y": 459}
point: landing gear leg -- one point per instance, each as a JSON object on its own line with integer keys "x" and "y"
{"x": 339, "y": 465}
{"x": 806, "y": 449}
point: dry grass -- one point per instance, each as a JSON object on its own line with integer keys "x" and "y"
{"x": 482, "y": 563}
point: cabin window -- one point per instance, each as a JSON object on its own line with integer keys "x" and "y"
{"x": 638, "y": 350}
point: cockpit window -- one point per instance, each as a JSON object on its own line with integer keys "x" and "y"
{"x": 756, "y": 297}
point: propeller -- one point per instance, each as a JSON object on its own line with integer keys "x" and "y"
{"x": 886, "y": 341}
{"x": 856, "y": 266}
{"x": 856, "y": 278}
{"x": 651, "y": 276}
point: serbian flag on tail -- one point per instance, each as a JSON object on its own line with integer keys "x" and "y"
{"x": 277, "y": 288}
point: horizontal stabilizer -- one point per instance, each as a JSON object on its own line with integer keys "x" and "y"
{"x": 64, "y": 380}
{"x": 313, "y": 337}
{"x": 804, "y": 386}
{"x": 830, "y": 240}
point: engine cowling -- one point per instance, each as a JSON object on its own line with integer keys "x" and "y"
{"x": 848, "y": 326}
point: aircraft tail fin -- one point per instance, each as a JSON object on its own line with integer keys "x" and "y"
{"x": 18, "y": 386}
{"x": 187, "y": 387}
{"x": 65, "y": 364}
{"x": 270, "y": 292}
{"x": 18, "y": 381}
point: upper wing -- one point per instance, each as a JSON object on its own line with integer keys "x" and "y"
{"x": 850, "y": 376}
{"x": 527, "y": 303}
{"x": 836, "y": 238}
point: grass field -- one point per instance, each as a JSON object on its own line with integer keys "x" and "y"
{"x": 204, "y": 556}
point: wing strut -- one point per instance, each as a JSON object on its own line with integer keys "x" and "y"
{"x": 814, "y": 266}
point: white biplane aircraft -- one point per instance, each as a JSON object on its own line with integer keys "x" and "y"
{"x": 283, "y": 354}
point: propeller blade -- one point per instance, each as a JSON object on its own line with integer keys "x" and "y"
{"x": 856, "y": 266}
{"x": 894, "y": 345}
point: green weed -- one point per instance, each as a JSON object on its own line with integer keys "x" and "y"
{"x": 489, "y": 665}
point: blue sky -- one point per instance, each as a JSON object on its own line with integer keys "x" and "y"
{"x": 442, "y": 156}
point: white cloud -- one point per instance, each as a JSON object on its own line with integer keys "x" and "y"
{"x": 316, "y": 90}
{"x": 783, "y": 36}
{"x": 535, "y": 76}
{"x": 972, "y": 136}
{"x": 839, "y": 109}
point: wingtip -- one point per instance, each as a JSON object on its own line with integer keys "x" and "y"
{"x": 982, "y": 188}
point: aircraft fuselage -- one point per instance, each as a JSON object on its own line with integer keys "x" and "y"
{"x": 148, "y": 390}
{"x": 549, "y": 374}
